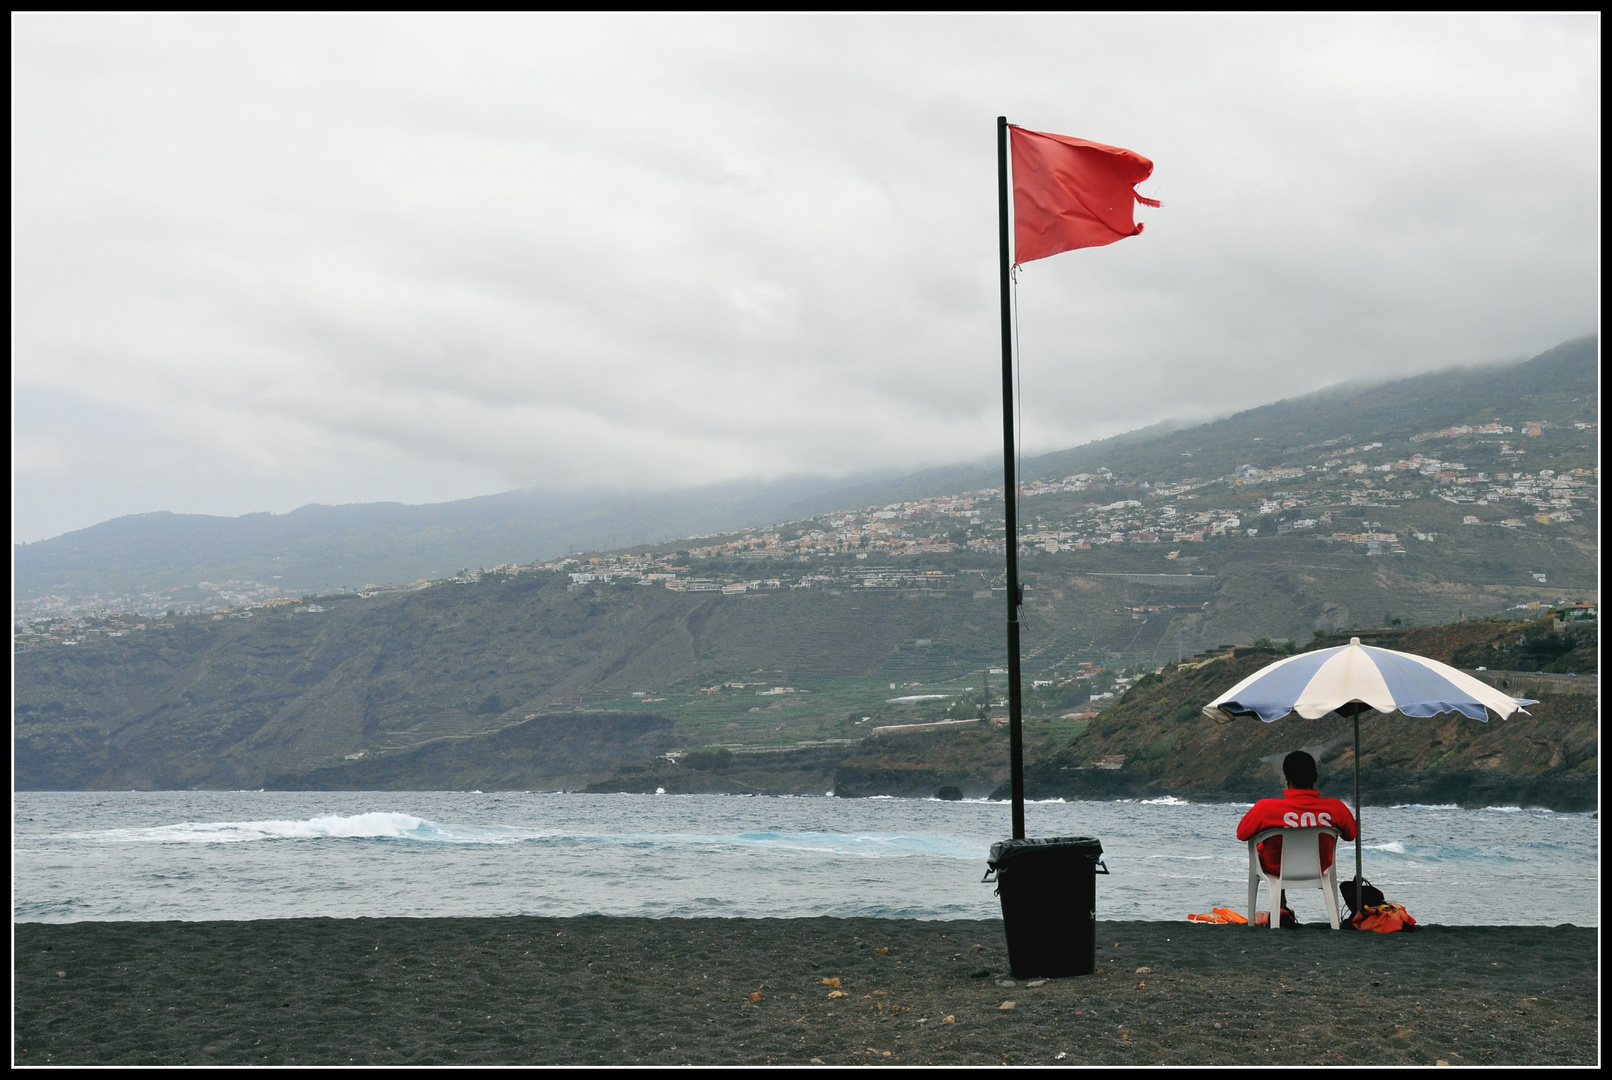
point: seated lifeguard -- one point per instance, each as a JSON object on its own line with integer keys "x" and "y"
{"x": 1301, "y": 806}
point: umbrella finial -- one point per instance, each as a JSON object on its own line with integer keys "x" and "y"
{"x": 1354, "y": 641}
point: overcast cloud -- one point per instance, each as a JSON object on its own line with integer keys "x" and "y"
{"x": 260, "y": 262}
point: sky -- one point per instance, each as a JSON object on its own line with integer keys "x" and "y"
{"x": 263, "y": 261}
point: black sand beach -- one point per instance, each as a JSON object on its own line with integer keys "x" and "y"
{"x": 615, "y": 991}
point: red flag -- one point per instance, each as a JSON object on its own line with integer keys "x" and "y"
{"x": 1069, "y": 193}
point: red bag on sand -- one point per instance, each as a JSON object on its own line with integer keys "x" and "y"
{"x": 1219, "y": 915}
{"x": 1383, "y": 918}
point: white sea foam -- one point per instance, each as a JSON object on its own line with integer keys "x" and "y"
{"x": 1166, "y": 800}
{"x": 378, "y": 825}
{"x": 189, "y": 855}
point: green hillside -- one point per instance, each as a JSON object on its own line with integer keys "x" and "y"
{"x": 1469, "y": 496}
{"x": 1156, "y": 741}
{"x": 521, "y": 681}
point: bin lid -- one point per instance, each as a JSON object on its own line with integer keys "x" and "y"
{"x": 1088, "y": 847}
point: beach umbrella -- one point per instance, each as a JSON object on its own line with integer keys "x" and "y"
{"x": 1351, "y": 679}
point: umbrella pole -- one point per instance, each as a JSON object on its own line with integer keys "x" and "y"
{"x": 1358, "y": 876}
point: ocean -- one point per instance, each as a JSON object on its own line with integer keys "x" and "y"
{"x": 263, "y": 855}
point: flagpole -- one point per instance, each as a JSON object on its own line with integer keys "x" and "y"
{"x": 1010, "y": 491}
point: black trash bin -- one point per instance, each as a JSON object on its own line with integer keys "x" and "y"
{"x": 1048, "y": 888}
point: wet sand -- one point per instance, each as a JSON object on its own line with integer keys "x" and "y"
{"x": 615, "y": 991}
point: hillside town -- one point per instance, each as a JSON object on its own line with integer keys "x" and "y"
{"x": 1068, "y": 514}
{"x": 1329, "y": 493}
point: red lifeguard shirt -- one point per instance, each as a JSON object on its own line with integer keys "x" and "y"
{"x": 1298, "y": 808}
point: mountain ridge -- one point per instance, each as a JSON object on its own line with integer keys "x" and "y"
{"x": 318, "y": 547}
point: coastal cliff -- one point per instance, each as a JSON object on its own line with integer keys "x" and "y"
{"x": 1156, "y": 742}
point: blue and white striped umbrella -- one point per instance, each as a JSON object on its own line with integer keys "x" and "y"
{"x": 1352, "y": 678}
{"x": 1315, "y": 683}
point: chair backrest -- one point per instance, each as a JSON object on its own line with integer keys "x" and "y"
{"x": 1301, "y": 850}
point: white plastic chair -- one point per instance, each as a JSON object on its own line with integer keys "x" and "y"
{"x": 1301, "y": 869}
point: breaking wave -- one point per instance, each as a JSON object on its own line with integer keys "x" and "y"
{"x": 388, "y": 826}
{"x": 249, "y": 855}
{"x": 379, "y": 825}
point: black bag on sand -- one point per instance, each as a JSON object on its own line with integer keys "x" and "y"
{"x": 1369, "y": 893}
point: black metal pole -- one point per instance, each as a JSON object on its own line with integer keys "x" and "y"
{"x": 1359, "y": 904}
{"x": 1010, "y": 503}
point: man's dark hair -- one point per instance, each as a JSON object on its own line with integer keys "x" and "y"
{"x": 1299, "y": 768}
